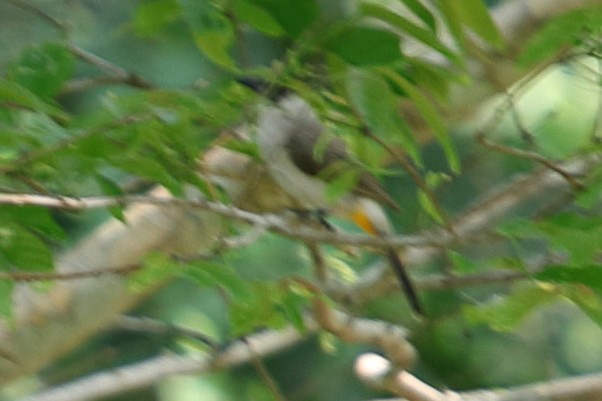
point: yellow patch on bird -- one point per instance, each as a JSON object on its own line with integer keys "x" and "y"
{"x": 360, "y": 218}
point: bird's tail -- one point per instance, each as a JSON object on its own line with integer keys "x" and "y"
{"x": 404, "y": 281}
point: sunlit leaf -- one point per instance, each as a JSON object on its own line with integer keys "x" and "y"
{"x": 475, "y": 15}
{"x": 453, "y": 22}
{"x": 153, "y": 16}
{"x": 559, "y": 32}
{"x": 344, "y": 181}
{"x": 212, "y": 31}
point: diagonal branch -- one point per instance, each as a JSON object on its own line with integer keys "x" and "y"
{"x": 379, "y": 373}
{"x": 146, "y": 373}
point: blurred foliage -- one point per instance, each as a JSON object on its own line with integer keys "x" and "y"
{"x": 95, "y": 95}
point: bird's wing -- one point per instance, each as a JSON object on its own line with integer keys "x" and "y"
{"x": 327, "y": 158}
{"x": 316, "y": 153}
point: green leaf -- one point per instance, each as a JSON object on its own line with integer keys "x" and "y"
{"x": 158, "y": 268}
{"x": 433, "y": 180}
{"x": 364, "y": 46}
{"x": 590, "y": 276}
{"x": 422, "y": 12}
{"x": 520, "y": 228}
{"x": 588, "y": 301}
{"x": 583, "y": 247}
{"x": 37, "y": 219}
{"x": 453, "y": 21}
{"x": 6, "y": 300}
{"x": 461, "y": 263}
{"x": 213, "y": 274}
{"x": 293, "y": 305}
{"x": 153, "y": 16}
{"x": 343, "y": 182}
{"x": 429, "y": 207}
{"x": 434, "y": 79}
{"x": 430, "y": 116}
{"x": 20, "y": 248}
{"x": 559, "y": 32}
{"x": 475, "y": 15}
{"x": 377, "y": 106}
{"x": 261, "y": 309}
{"x": 151, "y": 169}
{"x": 212, "y": 31}
{"x": 110, "y": 188}
{"x": 580, "y": 236}
{"x": 14, "y": 94}
{"x": 43, "y": 69}
{"x": 590, "y": 196}
{"x": 294, "y": 16}
{"x": 505, "y": 314}
{"x": 398, "y": 21}
{"x": 258, "y": 18}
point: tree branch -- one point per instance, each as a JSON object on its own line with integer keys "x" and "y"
{"x": 147, "y": 373}
{"x": 379, "y": 373}
{"x": 390, "y": 338}
{"x": 499, "y": 202}
{"x": 271, "y": 222}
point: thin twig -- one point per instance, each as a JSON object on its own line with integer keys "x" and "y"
{"x": 153, "y": 326}
{"x": 265, "y": 375}
{"x": 224, "y": 244}
{"x": 37, "y": 154}
{"x": 319, "y": 263}
{"x": 143, "y": 374}
{"x": 381, "y": 374}
{"x": 534, "y": 156}
{"x": 392, "y": 339}
{"x": 413, "y": 172}
{"x": 43, "y": 276}
{"x": 267, "y": 221}
{"x": 41, "y": 14}
{"x": 483, "y": 215}
{"x": 405, "y": 163}
{"x": 121, "y": 73}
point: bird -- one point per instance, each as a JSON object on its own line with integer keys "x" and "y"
{"x": 246, "y": 181}
{"x": 303, "y": 158}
